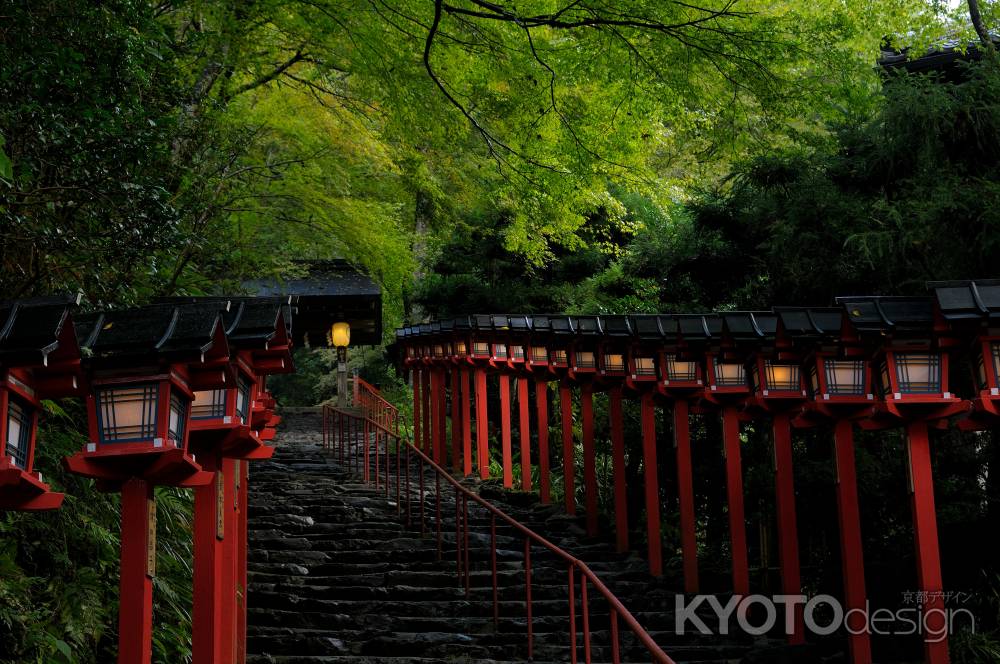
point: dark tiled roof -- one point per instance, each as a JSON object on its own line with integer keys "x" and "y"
{"x": 939, "y": 57}
{"x": 617, "y": 326}
{"x": 171, "y": 330}
{"x": 31, "y": 330}
{"x": 959, "y": 300}
{"x": 810, "y": 321}
{"x": 873, "y": 313}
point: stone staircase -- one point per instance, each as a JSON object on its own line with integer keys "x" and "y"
{"x": 336, "y": 576}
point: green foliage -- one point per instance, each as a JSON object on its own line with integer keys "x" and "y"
{"x": 58, "y": 589}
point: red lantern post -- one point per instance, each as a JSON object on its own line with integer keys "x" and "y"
{"x": 39, "y": 359}
{"x": 142, "y": 366}
{"x": 911, "y": 344}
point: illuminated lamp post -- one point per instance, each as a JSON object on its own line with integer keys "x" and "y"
{"x": 681, "y": 379}
{"x": 779, "y": 390}
{"x": 583, "y": 370}
{"x": 340, "y": 338}
{"x": 517, "y": 353}
{"x": 911, "y": 361}
{"x": 839, "y": 382}
{"x": 612, "y": 360}
{"x": 139, "y": 364}
{"x": 562, "y": 330}
{"x": 439, "y": 400}
{"x": 537, "y": 363}
{"x": 728, "y": 388}
{"x": 39, "y": 359}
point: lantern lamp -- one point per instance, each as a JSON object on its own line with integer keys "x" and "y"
{"x": 518, "y": 334}
{"x": 973, "y": 307}
{"x": 144, "y": 366}
{"x": 612, "y": 352}
{"x": 340, "y": 334}
{"x": 480, "y": 344}
{"x": 461, "y": 330}
{"x": 910, "y": 360}
{"x": 39, "y": 359}
{"x": 538, "y": 343}
{"x": 678, "y": 368}
{"x": 585, "y": 344}
{"x": 561, "y": 330}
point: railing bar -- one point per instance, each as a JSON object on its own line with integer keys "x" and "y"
{"x": 527, "y": 596}
{"x": 422, "y": 524}
{"x": 458, "y": 541}
{"x": 585, "y": 610}
{"x": 437, "y": 493}
{"x": 465, "y": 521}
{"x": 615, "y": 652}
{"x": 493, "y": 567}
{"x": 572, "y": 614}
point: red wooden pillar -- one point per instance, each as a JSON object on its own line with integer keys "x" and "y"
{"x": 417, "y": 437}
{"x": 482, "y": 425}
{"x": 206, "y": 622}
{"x": 525, "y": 430}
{"x": 229, "y": 560}
{"x": 542, "y": 412}
{"x": 569, "y": 451}
{"x": 456, "y": 421}
{"x": 425, "y": 411}
{"x": 618, "y": 466}
{"x": 926, "y": 540}
{"x": 788, "y": 532}
{"x": 851, "y": 552}
{"x": 442, "y": 415}
{"x": 432, "y": 448}
{"x": 466, "y": 416}
{"x": 589, "y": 460}
{"x": 508, "y": 459}
{"x": 243, "y": 496}
{"x": 734, "y": 496}
{"x": 685, "y": 495}
{"x": 138, "y": 556}
{"x": 648, "y": 415}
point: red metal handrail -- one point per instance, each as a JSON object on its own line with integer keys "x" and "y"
{"x": 369, "y": 400}
{"x": 341, "y": 429}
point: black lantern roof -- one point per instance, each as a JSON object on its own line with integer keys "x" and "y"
{"x": 483, "y": 321}
{"x": 698, "y": 327}
{"x": 33, "y": 331}
{"x": 649, "y": 327}
{"x": 960, "y": 300}
{"x": 173, "y": 331}
{"x": 875, "y": 313}
{"x": 561, "y": 325}
{"x": 462, "y": 323}
{"x": 519, "y": 323}
{"x": 589, "y": 326}
{"x": 810, "y": 322}
{"x": 616, "y": 326}
{"x": 750, "y": 325}
{"x": 256, "y": 321}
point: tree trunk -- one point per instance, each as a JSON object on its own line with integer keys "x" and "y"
{"x": 980, "y": 26}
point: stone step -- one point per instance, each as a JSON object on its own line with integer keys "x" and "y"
{"x": 336, "y": 574}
